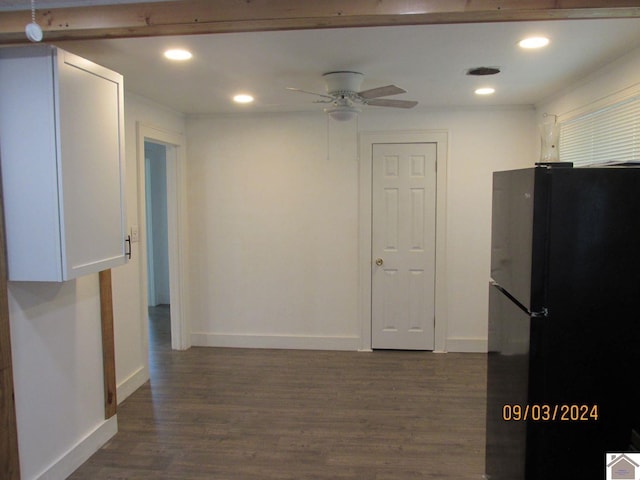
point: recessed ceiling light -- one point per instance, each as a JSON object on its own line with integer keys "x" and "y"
{"x": 243, "y": 98}
{"x": 534, "y": 42}
{"x": 485, "y": 91}
{"x": 177, "y": 54}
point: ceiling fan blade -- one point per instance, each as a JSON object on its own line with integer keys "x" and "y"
{"x": 381, "y": 92}
{"x": 309, "y": 93}
{"x": 385, "y": 102}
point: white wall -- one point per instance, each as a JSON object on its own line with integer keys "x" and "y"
{"x": 273, "y": 222}
{"x": 619, "y": 75}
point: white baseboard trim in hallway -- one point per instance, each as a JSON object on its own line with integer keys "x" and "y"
{"x": 294, "y": 342}
{"x": 81, "y": 452}
{"x": 467, "y": 345}
{"x": 132, "y": 383}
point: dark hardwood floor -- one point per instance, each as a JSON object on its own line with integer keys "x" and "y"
{"x": 249, "y": 414}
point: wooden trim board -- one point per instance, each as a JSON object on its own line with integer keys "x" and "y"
{"x": 204, "y": 16}
{"x": 108, "y": 346}
{"x": 9, "y": 456}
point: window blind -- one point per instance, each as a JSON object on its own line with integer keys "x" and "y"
{"x": 609, "y": 134}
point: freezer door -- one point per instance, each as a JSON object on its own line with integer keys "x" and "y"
{"x": 507, "y": 387}
{"x": 512, "y": 232}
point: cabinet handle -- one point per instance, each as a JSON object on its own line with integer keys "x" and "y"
{"x": 128, "y": 240}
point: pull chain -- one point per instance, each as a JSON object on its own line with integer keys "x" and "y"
{"x": 33, "y": 30}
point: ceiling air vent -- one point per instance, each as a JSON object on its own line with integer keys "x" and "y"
{"x": 481, "y": 71}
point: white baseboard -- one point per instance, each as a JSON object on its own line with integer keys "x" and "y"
{"x": 294, "y": 342}
{"x": 132, "y": 383}
{"x": 80, "y": 453}
{"x": 467, "y": 345}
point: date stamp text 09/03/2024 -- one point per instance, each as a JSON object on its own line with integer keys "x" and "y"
{"x": 550, "y": 413}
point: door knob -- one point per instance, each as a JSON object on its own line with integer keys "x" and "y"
{"x": 379, "y": 262}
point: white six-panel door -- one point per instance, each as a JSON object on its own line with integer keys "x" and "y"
{"x": 403, "y": 246}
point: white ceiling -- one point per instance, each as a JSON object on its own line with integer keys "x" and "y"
{"x": 428, "y": 61}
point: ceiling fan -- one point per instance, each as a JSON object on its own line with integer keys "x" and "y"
{"x": 344, "y": 95}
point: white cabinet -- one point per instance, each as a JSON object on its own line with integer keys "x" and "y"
{"x": 62, "y": 160}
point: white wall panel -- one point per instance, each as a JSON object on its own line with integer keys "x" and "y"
{"x": 273, "y": 228}
{"x": 57, "y": 362}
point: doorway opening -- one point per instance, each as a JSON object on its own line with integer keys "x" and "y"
{"x": 157, "y": 237}
{"x": 162, "y": 217}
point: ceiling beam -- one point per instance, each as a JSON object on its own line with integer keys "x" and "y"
{"x": 219, "y": 16}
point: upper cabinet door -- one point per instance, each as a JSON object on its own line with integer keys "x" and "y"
{"x": 91, "y": 167}
{"x": 62, "y": 156}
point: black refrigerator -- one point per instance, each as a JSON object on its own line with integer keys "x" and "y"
{"x": 563, "y": 368}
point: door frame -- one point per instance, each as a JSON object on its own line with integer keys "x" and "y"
{"x": 365, "y": 210}
{"x": 176, "y": 223}
{"x": 148, "y": 215}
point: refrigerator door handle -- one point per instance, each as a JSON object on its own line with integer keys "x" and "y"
{"x": 544, "y": 313}
{"x": 511, "y": 297}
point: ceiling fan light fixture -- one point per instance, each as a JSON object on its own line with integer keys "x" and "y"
{"x": 343, "y": 92}
{"x": 343, "y": 81}
{"x": 342, "y": 113}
